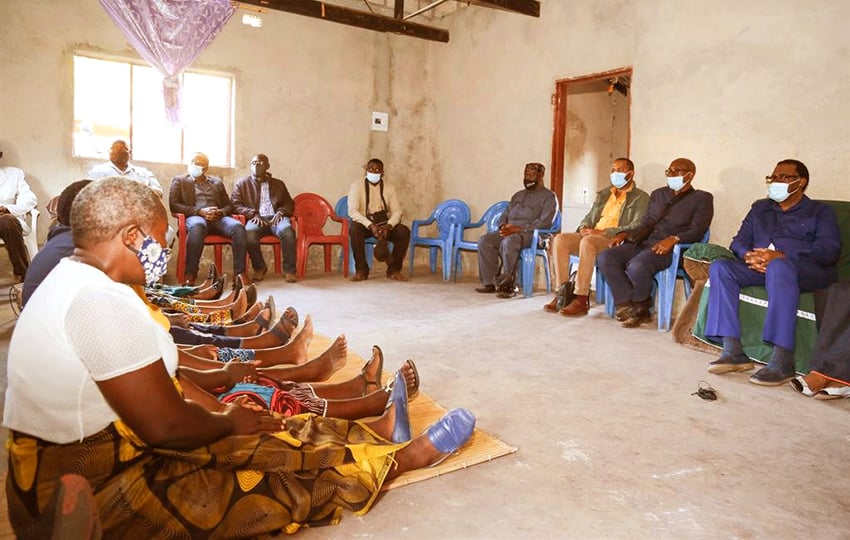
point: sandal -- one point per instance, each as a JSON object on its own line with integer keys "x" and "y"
{"x": 411, "y": 393}
{"x": 377, "y": 356}
{"x": 833, "y": 392}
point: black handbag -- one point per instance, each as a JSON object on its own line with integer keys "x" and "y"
{"x": 566, "y": 293}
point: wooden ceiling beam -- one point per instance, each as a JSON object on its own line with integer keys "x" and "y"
{"x": 524, "y": 7}
{"x": 353, "y": 17}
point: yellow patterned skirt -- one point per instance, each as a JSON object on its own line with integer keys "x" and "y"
{"x": 238, "y": 487}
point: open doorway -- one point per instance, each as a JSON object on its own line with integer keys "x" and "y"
{"x": 592, "y": 117}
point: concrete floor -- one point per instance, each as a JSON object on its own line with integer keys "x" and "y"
{"x": 611, "y": 442}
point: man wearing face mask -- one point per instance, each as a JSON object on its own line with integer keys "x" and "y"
{"x": 204, "y": 201}
{"x": 119, "y": 165}
{"x": 267, "y": 205}
{"x": 677, "y": 213}
{"x": 375, "y": 211}
{"x": 789, "y": 244}
{"x": 531, "y": 208}
{"x": 617, "y": 208}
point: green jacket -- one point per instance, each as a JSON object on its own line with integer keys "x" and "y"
{"x": 637, "y": 200}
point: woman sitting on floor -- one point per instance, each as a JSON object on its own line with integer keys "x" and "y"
{"x": 159, "y": 465}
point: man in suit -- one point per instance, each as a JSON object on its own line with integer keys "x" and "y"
{"x": 204, "y": 201}
{"x": 267, "y": 206}
{"x": 677, "y": 213}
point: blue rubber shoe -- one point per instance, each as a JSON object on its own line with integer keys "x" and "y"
{"x": 452, "y": 430}
{"x": 398, "y": 397}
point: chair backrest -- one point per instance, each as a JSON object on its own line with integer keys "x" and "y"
{"x": 491, "y": 217}
{"x": 312, "y": 211}
{"x": 341, "y": 207}
{"x": 842, "y": 214}
{"x": 451, "y": 212}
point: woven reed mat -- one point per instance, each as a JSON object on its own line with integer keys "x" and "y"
{"x": 424, "y": 411}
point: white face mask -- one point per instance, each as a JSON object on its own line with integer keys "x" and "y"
{"x": 373, "y": 177}
{"x": 778, "y": 191}
{"x": 618, "y": 179}
{"x": 675, "y": 182}
{"x": 195, "y": 170}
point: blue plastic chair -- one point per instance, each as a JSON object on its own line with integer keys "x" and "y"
{"x": 342, "y": 211}
{"x": 449, "y": 216}
{"x": 664, "y": 286}
{"x": 528, "y": 256}
{"x": 490, "y": 219}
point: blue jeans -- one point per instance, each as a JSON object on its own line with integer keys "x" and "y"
{"x": 283, "y": 231}
{"x": 197, "y": 229}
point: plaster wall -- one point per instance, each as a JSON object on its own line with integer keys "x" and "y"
{"x": 735, "y": 86}
{"x": 305, "y": 90}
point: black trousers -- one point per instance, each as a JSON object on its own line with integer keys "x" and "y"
{"x": 13, "y": 235}
{"x": 399, "y": 236}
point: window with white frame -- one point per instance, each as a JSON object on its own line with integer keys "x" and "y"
{"x": 123, "y": 100}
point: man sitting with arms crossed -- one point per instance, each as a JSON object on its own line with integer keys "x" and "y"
{"x": 615, "y": 209}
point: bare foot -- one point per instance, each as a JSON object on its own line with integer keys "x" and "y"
{"x": 371, "y": 372}
{"x": 334, "y": 358}
{"x": 302, "y": 340}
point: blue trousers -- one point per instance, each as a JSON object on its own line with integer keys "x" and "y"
{"x": 284, "y": 233}
{"x": 197, "y": 229}
{"x": 783, "y": 280}
{"x": 630, "y": 269}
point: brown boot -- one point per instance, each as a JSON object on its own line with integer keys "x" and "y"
{"x": 552, "y": 307}
{"x": 578, "y": 307}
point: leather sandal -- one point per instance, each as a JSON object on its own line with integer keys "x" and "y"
{"x": 410, "y": 393}
{"x": 377, "y": 356}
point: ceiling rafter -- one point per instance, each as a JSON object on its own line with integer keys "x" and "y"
{"x": 397, "y": 24}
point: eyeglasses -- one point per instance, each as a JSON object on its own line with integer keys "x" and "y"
{"x": 781, "y": 179}
{"x": 672, "y": 172}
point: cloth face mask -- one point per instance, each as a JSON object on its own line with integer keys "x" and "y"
{"x": 153, "y": 258}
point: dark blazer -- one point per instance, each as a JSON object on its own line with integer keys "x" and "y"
{"x": 245, "y": 197}
{"x": 181, "y": 196}
{"x": 688, "y": 219}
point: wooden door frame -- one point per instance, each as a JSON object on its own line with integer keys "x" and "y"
{"x": 559, "y": 134}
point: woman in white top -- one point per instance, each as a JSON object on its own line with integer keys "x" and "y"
{"x": 92, "y": 392}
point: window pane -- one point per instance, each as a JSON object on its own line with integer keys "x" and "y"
{"x": 206, "y": 116}
{"x": 154, "y": 139}
{"x": 101, "y": 105}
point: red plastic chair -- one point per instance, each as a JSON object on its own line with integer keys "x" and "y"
{"x": 312, "y": 212}
{"x": 211, "y": 240}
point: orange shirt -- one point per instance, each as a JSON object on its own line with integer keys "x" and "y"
{"x": 613, "y": 208}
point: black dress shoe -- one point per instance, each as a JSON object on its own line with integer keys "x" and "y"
{"x": 728, "y": 363}
{"x": 382, "y": 251}
{"x": 486, "y": 289}
{"x": 624, "y": 312}
{"x": 507, "y": 292}
{"x": 771, "y": 376}
{"x": 636, "y": 318}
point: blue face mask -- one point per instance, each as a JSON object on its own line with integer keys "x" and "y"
{"x": 778, "y": 191}
{"x": 195, "y": 170}
{"x": 153, "y": 258}
{"x": 618, "y": 179}
{"x": 373, "y": 177}
{"x": 675, "y": 182}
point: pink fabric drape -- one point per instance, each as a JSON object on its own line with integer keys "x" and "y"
{"x": 169, "y": 34}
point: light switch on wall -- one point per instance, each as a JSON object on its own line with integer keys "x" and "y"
{"x": 380, "y": 121}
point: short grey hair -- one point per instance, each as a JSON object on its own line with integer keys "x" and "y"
{"x": 106, "y": 206}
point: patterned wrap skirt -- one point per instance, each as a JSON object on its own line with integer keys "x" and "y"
{"x": 237, "y": 487}
{"x": 286, "y": 398}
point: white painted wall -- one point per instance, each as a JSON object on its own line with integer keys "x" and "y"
{"x": 735, "y": 86}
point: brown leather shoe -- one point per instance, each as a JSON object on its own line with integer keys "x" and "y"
{"x": 578, "y": 307}
{"x": 552, "y": 306}
{"x": 260, "y": 274}
{"x": 637, "y": 317}
{"x": 360, "y": 276}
